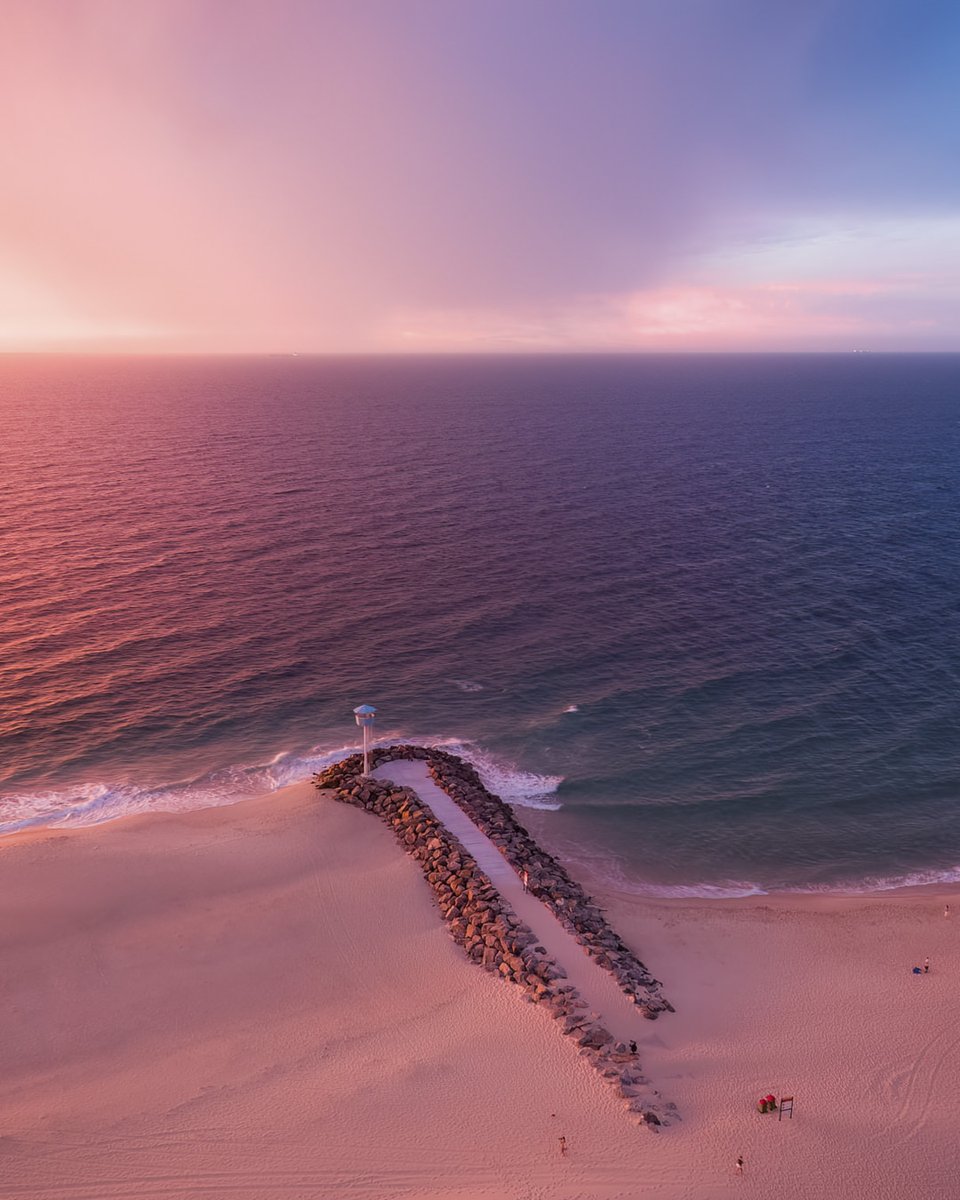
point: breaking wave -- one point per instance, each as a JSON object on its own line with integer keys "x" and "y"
{"x": 94, "y": 803}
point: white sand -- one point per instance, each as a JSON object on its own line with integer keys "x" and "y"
{"x": 815, "y": 997}
{"x": 261, "y": 1002}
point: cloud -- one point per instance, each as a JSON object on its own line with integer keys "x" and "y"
{"x": 884, "y": 285}
{"x": 675, "y": 318}
{"x": 253, "y": 176}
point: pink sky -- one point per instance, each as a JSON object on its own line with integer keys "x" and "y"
{"x": 340, "y": 177}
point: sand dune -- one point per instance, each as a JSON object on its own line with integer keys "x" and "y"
{"x": 260, "y": 1002}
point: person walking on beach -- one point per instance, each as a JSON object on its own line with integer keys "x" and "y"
{"x": 946, "y": 910}
{"x": 739, "y": 1170}
{"x": 926, "y": 966}
{"x": 563, "y": 1147}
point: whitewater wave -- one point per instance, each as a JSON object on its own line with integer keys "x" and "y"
{"x": 864, "y": 887}
{"x": 726, "y": 890}
{"x": 524, "y": 788}
{"x": 467, "y": 685}
{"x": 611, "y": 872}
{"x": 933, "y": 877}
{"x": 94, "y": 803}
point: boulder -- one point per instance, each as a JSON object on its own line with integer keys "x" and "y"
{"x": 595, "y": 1037}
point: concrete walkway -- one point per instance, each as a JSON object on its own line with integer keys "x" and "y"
{"x": 596, "y": 986}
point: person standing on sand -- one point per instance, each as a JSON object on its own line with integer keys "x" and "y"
{"x": 739, "y": 1170}
{"x": 525, "y": 878}
{"x": 926, "y": 966}
{"x": 563, "y": 1147}
{"x": 946, "y": 910}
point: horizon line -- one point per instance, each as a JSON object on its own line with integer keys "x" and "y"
{"x": 408, "y": 354}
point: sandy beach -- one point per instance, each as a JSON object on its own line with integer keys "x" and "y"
{"x": 260, "y": 1001}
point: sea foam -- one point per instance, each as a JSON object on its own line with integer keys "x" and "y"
{"x": 93, "y": 803}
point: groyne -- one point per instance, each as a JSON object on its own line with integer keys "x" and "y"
{"x": 483, "y": 923}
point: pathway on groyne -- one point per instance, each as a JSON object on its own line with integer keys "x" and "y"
{"x": 597, "y": 987}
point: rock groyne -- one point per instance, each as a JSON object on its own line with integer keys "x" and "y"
{"x": 483, "y": 923}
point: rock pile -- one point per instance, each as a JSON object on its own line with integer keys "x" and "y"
{"x": 549, "y": 881}
{"x": 486, "y": 927}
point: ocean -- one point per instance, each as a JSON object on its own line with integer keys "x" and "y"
{"x": 698, "y": 615}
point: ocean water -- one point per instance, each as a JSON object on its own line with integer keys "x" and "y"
{"x": 700, "y": 615}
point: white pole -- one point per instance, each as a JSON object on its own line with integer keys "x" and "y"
{"x": 365, "y": 714}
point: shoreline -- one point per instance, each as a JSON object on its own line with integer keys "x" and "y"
{"x": 947, "y": 890}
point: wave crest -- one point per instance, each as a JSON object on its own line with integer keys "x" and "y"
{"x": 93, "y": 803}
{"x": 524, "y": 788}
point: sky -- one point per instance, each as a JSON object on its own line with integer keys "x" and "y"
{"x": 354, "y": 176}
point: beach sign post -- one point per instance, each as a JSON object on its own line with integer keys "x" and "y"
{"x": 365, "y": 714}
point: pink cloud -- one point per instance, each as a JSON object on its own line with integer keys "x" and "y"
{"x": 690, "y": 316}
